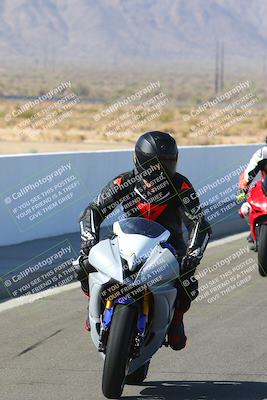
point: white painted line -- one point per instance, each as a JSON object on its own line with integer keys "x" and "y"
{"x": 21, "y": 301}
{"x": 66, "y": 153}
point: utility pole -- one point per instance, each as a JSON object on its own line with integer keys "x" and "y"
{"x": 217, "y": 55}
{"x": 222, "y": 67}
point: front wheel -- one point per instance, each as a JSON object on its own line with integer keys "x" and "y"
{"x": 118, "y": 350}
{"x": 262, "y": 250}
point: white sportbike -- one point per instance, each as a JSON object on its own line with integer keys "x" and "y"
{"x": 132, "y": 301}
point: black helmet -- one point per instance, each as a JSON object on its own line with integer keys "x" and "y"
{"x": 154, "y": 147}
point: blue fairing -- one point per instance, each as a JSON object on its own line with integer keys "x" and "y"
{"x": 124, "y": 300}
{"x": 168, "y": 246}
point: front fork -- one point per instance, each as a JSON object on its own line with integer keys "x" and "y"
{"x": 141, "y": 323}
{"x": 106, "y": 321}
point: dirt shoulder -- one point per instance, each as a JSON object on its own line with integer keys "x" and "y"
{"x": 89, "y": 127}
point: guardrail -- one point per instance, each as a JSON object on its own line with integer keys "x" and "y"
{"x": 42, "y": 195}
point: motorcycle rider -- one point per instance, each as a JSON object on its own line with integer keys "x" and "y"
{"x": 154, "y": 190}
{"x": 257, "y": 163}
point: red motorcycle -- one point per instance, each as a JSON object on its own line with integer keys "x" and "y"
{"x": 257, "y": 199}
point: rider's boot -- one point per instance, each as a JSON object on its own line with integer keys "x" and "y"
{"x": 250, "y": 238}
{"x": 176, "y": 336}
{"x": 86, "y": 321}
{"x": 82, "y": 275}
{"x": 252, "y": 243}
{"x": 85, "y": 290}
{"x": 253, "y": 246}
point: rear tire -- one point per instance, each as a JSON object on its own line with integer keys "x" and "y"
{"x": 118, "y": 350}
{"x": 262, "y": 251}
{"x": 138, "y": 376}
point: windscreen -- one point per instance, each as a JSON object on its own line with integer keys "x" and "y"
{"x": 141, "y": 226}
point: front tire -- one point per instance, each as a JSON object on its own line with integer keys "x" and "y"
{"x": 262, "y": 251}
{"x": 118, "y": 350}
{"x": 138, "y": 376}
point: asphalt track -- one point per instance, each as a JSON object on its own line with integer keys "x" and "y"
{"x": 45, "y": 354}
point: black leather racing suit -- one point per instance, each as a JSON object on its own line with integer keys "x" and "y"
{"x": 169, "y": 202}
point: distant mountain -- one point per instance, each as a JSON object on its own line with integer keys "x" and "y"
{"x": 60, "y": 31}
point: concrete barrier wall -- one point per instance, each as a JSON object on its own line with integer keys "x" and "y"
{"x": 42, "y": 195}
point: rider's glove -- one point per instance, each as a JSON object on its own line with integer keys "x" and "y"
{"x": 191, "y": 261}
{"x": 87, "y": 244}
{"x": 82, "y": 268}
{"x": 84, "y": 263}
{"x": 241, "y": 196}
